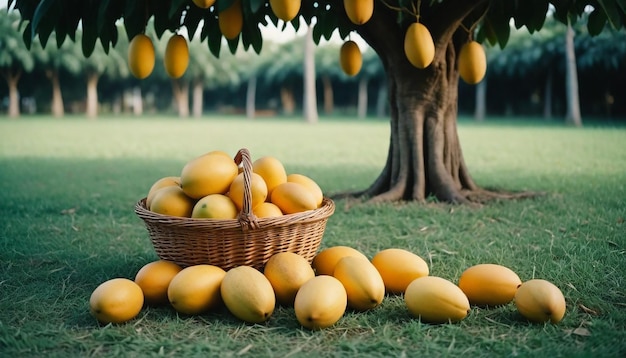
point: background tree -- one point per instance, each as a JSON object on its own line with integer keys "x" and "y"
{"x": 424, "y": 156}
{"x": 14, "y": 58}
{"x": 55, "y": 59}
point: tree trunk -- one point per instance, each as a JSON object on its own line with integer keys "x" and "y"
{"x": 137, "y": 101}
{"x": 251, "y": 98}
{"x": 310, "y": 95}
{"x": 57, "y": 107}
{"x": 13, "y": 79}
{"x": 547, "y": 97}
{"x": 288, "y": 100}
{"x": 92, "y": 95}
{"x": 180, "y": 89}
{"x": 480, "y": 111}
{"x": 198, "y": 98}
{"x": 571, "y": 81}
{"x": 361, "y": 106}
{"x": 424, "y": 157}
{"x": 329, "y": 101}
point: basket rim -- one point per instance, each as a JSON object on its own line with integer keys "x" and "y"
{"x": 323, "y": 212}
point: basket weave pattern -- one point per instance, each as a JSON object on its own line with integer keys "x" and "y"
{"x": 228, "y": 243}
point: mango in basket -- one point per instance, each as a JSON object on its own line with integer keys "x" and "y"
{"x": 211, "y": 173}
{"x": 172, "y": 201}
{"x": 215, "y": 206}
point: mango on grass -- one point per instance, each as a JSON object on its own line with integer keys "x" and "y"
{"x": 116, "y": 301}
{"x": 489, "y": 284}
{"x": 434, "y": 299}
{"x": 364, "y": 286}
{"x": 320, "y": 302}
{"x": 196, "y": 289}
{"x": 324, "y": 262}
{"x": 540, "y": 301}
{"x": 154, "y": 278}
{"x": 398, "y": 268}
{"x": 248, "y": 294}
{"x": 287, "y": 272}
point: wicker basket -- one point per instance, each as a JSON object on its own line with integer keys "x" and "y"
{"x": 247, "y": 240}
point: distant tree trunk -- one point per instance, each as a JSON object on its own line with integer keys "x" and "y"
{"x": 137, "y": 101}
{"x": 251, "y": 97}
{"x": 547, "y": 97}
{"x": 58, "y": 109}
{"x": 287, "y": 99}
{"x": 361, "y": 109}
{"x": 571, "y": 81}
{"x": 480, "y": 109}
{"x": 198, "y": 100}
{"x": 12, "y": 79}
{"x": 310, "y": 96}
{"x": 382, "y": 100}
{"x": 180, "y": 89}
{"x": 92, "y": 95}
{"x": 329, "y": 102}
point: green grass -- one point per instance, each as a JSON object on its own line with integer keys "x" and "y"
{"x": 68, "y": 188}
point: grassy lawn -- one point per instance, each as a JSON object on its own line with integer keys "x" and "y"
{"x": 68, "y": 189}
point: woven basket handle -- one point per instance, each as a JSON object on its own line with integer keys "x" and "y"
{"x": 246, "y": 218}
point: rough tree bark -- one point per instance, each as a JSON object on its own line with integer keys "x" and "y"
{"x": 424, "y": 156}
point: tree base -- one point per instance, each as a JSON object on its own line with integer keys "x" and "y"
{"x": 477, "y": 197}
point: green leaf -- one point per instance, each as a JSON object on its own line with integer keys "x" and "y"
{"x": 233, "y": 44}
{"x": 89, "y": 38}
{"x": 176, "y": 8}
{"x": 538, "y": 14}
{"x": 102, "y": 14}
{"x": 40, "y": 12}
{"x": 596, "y": 22}
{"x": 612, "y": 12}
{"x": 256, "y": 5}
{"x": 223, "y": 4}
{"x": 26, "y": 36}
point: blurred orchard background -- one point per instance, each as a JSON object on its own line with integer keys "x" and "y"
{"x": 526, "y": 79}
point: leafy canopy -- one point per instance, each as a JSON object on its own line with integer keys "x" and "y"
{"x": 98, "y": 18}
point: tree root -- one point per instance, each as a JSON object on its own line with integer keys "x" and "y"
{"x": 478, "y": 197}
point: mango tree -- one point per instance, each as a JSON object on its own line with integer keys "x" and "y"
{"x": 15, "y": 59}
{"x": 424, "y": 156}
